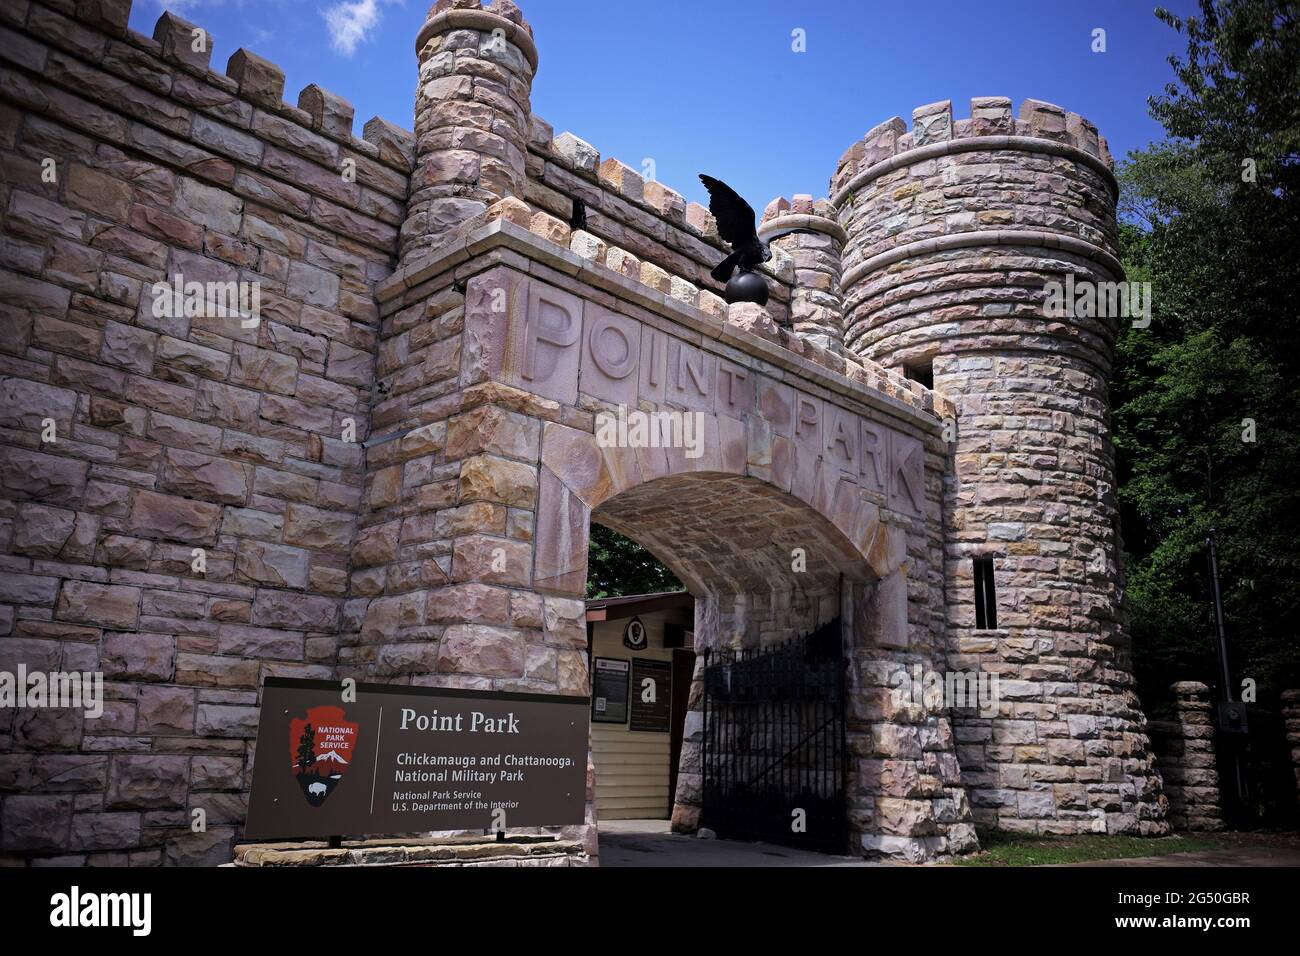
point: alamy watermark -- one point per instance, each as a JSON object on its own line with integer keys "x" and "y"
{"x": 1086, "y": 299}
{"x": 960, "y": 690}
{"x": 659, "y": 429}
{"x": 223, "y": 300}
{"x": 76, "y": 909}
{"x": 24, "y": 688}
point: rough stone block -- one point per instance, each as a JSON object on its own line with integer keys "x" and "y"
{"x": 932, "y": 123}
{"x": 578, "y": 155}
{"x": 329, "y": 112}
{"x": 183, "y": 42}
{"x": 259, "y": 80}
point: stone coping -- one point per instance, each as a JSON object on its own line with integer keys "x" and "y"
{"x": 967, "y": 144}
{"x": 413, "y": 852}
{"x": 990, "y": 237}
{"x": 482, "y": 20}
{"x": 804, "y": 222}
{"x": 504, "y": 234}
{"x": 570, "y": 156}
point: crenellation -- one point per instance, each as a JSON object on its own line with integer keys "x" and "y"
{"x": 660, "y": 216}
{"x": 990, "y": 116}
{"x": 1046, "y": 120}
{"x": 666, "y": 202}
{"x": 396, "y": 146}
{"x": 328, "y": 112}
{"x": 176, "y": 42}
{"x": 260, "y": 81}
{"x": 886, "y": 146}
{"x": 701, "y": 221}
{"x": 932, "y": 123}
{"x": 576, "y": 154}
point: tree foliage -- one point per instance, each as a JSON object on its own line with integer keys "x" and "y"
{"x": 617, "y": 566}
{"x": 1212, "y": 221}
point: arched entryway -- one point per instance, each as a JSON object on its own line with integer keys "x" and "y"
{"x": 766, "y": 748}
{"x": 766, "y": 564}
{"x": 796, "y": 495}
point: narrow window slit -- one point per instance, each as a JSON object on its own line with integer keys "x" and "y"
{"x": 986, "y": 600}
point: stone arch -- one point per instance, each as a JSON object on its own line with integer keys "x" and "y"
{"x": 736, "y": 533}
{"x": 635, "y": 490}
{"x": 727, "y": 530}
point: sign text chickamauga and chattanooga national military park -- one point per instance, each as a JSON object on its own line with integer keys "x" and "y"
{"x": 409, "y": 759}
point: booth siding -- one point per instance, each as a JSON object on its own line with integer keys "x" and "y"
{"x": 634, "y": 768}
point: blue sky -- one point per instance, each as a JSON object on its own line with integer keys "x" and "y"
{"x": 715, "y": 86}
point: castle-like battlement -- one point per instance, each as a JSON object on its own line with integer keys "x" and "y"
{"x": 1040, "y": 127}
{"x": 920, "y": 208}
{"x": 390, "y": 474}
{"x": 123, "y": 52}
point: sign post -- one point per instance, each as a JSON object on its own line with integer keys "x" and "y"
{"x": 401, "y": 759}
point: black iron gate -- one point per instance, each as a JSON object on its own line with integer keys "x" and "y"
{"x": 774, "y": 753}
{"x": 1257, "y": 783}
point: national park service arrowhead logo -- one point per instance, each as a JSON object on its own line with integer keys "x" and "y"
{"x": 321, "y": 745}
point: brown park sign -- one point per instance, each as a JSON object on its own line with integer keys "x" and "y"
{"x": 397, "y": 759}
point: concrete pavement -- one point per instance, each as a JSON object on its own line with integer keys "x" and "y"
{"x": 648, "y": 843}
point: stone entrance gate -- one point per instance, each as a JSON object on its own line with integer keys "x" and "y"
{"x": 814, "y": 494}
{"x": 391, "y": 473}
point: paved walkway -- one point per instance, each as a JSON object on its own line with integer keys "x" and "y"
{"x": 648, "y": 843}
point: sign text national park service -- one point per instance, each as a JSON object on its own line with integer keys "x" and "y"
{"x": 395, "y": 759}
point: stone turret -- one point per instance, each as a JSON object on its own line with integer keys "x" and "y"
{"x": 816, "y": 307}
{"x": 471, "y": 116}
{"x": 954, "y": 230}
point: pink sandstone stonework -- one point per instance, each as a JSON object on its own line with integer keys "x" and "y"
{"x": 391, "y": 475}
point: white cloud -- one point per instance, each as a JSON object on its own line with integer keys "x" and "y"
{"x": 351, "y": 23}
{"x": 185, "y": 6}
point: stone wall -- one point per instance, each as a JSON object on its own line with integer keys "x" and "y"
{"x": 954, "y": 228}
{"x": 795, "y": 455}
{"x": 1291, "y": 718}
{"x": 465, "y": 851}
{"x": 126, "y": 161}
{"x": 1183, "y": 742}
{"x": 324, "y": 491}
{"x": 390, "y": 473}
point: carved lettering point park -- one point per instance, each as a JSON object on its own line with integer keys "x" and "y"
{"x": 559, "y": 345}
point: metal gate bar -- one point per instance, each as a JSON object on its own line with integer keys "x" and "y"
{"x": 773, "y": 742}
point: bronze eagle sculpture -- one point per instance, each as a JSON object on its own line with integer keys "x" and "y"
{"x": 737, "y": 225}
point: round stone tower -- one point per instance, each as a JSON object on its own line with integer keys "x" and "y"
{"x": 955, "y": 232}
{"x": 814, "y": 246}
{"x": 471, "y": 115}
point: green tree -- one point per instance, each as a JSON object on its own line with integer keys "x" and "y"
{"x": 617, "y": 566}
{"x": 1205, "y": 397}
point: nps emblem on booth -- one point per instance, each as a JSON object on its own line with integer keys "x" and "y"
{"x": 321, "y": 745}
